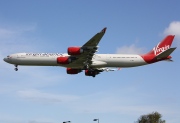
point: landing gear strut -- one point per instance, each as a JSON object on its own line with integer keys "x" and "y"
{"x": 16, "y": 68}
{"x": 86, "y": 67}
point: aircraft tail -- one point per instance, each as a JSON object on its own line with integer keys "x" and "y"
{"x": 165, "y": 54}
{"x": 161, "y": 51}
{"x": 162, "y": 46}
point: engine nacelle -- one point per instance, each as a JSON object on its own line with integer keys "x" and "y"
{"x": 74, "y": 50}
{"x": 91, "y": 72}
{"x": 63, "y": 60}
{"x": 73, "y": 71}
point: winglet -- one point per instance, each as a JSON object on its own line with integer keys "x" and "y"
{"x": 103, "y": 30}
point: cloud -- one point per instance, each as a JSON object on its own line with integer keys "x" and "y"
{"x": 132, "y": 49}
{"x": 16, "y": 38}
{"x": 36, "y": 95}
{"x": 5, "y": 33}
{"x": 9, "y": 118}
{"x": 19, "y": 38}
{"x": 34, "y": 121}
{"x": 173, "y": 29}
{"x": 11, "y": 31}
{"x": 114, "y": 101}
{"x": 27, "y": 78}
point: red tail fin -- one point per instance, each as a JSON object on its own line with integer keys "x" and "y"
{"x": 156, "y": 53}
{"x": 162, "y": 46}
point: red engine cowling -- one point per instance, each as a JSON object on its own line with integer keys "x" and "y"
{"x": 63, "y": 60}
{"x": 74, "y": 50}
{"x": 91, "y": 73}
{"x": 73, "y": 71}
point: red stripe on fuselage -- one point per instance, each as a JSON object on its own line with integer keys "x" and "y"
{"x": 148, "y": 58}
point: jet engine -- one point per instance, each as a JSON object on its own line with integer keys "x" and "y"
{"x": 64, "y": 60}
{"x": 73, "y": 71}
{"x": 92, "y": 73}
{"x": 74, "y": 50}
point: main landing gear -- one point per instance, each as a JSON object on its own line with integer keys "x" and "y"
{"x": 16, "y": 67}
{"x": 86, "y": 67}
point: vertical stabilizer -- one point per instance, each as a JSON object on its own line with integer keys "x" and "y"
{"x": 161, "y": 51}
{"x": 162, "y": 46}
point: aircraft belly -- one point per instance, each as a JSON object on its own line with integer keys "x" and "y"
{"x": 36, "y": 61}
{"x": 126, "y": 62}
{"x": 99, "y": 64}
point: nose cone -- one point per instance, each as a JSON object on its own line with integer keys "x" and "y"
{"x": 5, "y": 59}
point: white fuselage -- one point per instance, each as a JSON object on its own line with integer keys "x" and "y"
{"x": 98, "y": 60}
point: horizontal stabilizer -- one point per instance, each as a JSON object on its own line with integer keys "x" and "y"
{"x": 169, "y": 60}
{"x": 165, "y": 53}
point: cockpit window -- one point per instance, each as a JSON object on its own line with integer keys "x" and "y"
{"x": 8, "y": 56}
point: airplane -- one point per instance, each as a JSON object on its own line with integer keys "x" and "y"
{"x": 79, "y": 58}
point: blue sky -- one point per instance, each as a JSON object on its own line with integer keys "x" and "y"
{"x": 49, "y": 95}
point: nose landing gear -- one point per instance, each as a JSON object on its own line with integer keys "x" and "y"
{"x": 16, "y": 67}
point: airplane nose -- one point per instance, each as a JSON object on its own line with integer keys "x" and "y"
{"x": 5, "y": 59}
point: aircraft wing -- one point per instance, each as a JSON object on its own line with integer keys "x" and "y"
{"x": 89, "y": 48}
{"x": 93, "y": 42}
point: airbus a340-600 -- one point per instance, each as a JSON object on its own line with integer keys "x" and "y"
{"x": 85, "y": 58}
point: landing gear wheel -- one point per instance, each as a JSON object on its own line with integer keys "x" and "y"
{"x": 16, "y": 69}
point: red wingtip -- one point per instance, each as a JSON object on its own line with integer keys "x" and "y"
{"x": 104, "y": 30}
